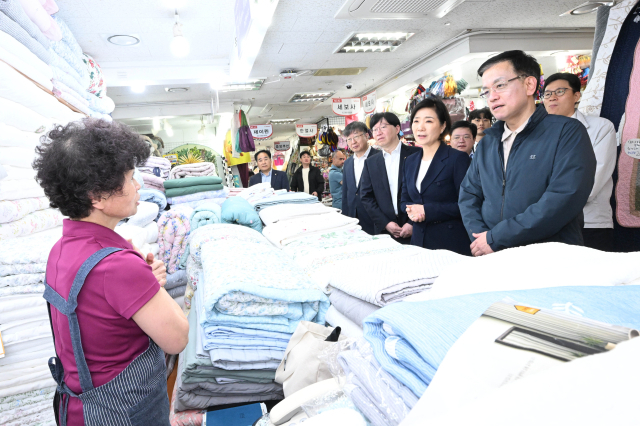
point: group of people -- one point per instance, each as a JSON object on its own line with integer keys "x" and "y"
{"x": 516, "y": 173}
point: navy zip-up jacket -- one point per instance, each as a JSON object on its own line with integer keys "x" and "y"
{"x": 540, "y": 197}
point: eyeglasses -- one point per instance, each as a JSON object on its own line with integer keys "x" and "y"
{"x": 353, "y": 138}
{"x": 499, "y": 87}
{"x": 379, "y": 129}
{"x": 559, "y": 92}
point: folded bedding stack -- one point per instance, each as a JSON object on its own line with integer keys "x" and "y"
{"x": 154, "y": 172}
{"x": 237, "y": 210}
{"x": 26, "y": 385}
{"x": 192, "y": 185}
{"x": 193, "y": 170}
{"x": 154, "y": 196}
{"x": 193, "y": 200}
{"x": 142, "y": 229}
{"x": 284, "y": 198}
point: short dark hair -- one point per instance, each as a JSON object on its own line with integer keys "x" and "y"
{"x": 264, "y": 151}
{"x": 305, "y": 153}
{"x": 521, "y": 62}
{"x": 572, "y": 79}
{"x": 463, "y": 124}
{"x": 441, "y": 110}
{"x": 353, "y": 127}
{"x": 389, "y": 117}
{"x": 481, "y": 113}
{"x": 86, "y": 159}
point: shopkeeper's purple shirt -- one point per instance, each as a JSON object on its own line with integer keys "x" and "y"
{"x": 114, "y": 290}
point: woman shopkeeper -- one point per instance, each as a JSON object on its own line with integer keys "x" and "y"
{"x": 112, "y": 320}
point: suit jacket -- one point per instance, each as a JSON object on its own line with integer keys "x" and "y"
{"x": 278, "y": 180}
{"x": 351, "y": 202}
{"x": 316, "y": 181}
{"x": 439, "y": 190}
{"x": 375, "y": 193}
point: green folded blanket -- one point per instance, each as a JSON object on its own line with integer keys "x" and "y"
{"x": 192, "y": 181}
{"x": 177, "y": 192}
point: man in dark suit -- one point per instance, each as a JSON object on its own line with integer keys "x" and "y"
{"x": 308, "y": 178}
{"x": 357, "y": 135}
{"x": 381, "y": 182}
{"x": 277, "y": 179}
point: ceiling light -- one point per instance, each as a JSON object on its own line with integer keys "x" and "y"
{"x": 236, "y": 87}
{"x": 311, "y": 97}
{"x": 447, "y": 23}
{"x": 588, "y": 7}
{"x": 123, "y": 40}
{"x": 179, "y": 45}
{"x": 168, "y": 128}
{"x": 374, "y": 42}
{"x": 283, "y": 121}
{"x": 138, "y": 88}
{"x": 176, "y": 89}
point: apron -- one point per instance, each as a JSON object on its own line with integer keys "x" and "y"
{"x": 135, "y": 397}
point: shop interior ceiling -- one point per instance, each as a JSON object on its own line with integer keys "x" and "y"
{"x": 303, "y": 36}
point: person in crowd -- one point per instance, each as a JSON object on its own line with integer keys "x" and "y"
{"x": 381, "y": 180}
{"x": 533, "y": 172}
{"x": 336, "y": 179}
{"x": 431, "y": 181}
{"x": 117, "y": 302}
{"x": 561, "y": 93}
{"x": 463, "y": 135}
{"x": 276, "y": 178}
{"x": 357, "y": 135}
{"x": 483, "y": 119}
{"x": 308, "y": 178}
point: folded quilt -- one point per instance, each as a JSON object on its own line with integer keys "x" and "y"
{"x": 147, "y": 213}
{"x": 274, "y": 214}
{"x": 186, "y": 417}
{"x": 238, "y": 210}
{"x": 21, "y": 279}
{"x": 23, "y": 118}
{"x": 192, "y": 181}
{"x": 152, "y": 181}
{"x": 351, "y": 307}
{"x": 410, "y": 340}
{"x": 17, "y": 209}
{"x": 286, "y": 231}
{"x": 177, "y": 279}
{"x": 13, "y": 9}
{"x": 179, "y": 192}
{"x": 193, "y": 170}
{"x": 154, "y": 196}
{"x": 138, "y": 235}
{"x": 73, "y": 100}
{"x": 285, "y": 198}
{"x": 258, "y": 192}
{"x": 207, "y": 195}
{"x": 23, "y": 289}
{"x": 12, "y": 136}
{"x": 3, "y": 172}
{"x": 22, "y": 52}
{"x": 27, "y": 69}
{"x": 31, "y": 223}
{"x": 158, "y": 166}
{"x": 244, "y": 287}
{"x": 18, "y": 189}
{"x": 20, "y": 255}
{"x": 173, "y": 232}
{"x": 329, "y": 239}
{"x": 207, "y": 213}
{"x": 391, "y": 277}
{"x": 349, "y": 328}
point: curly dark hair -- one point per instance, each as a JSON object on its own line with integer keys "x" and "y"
{"x": 86, "y": 159}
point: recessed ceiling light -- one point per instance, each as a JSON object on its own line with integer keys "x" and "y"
{"x": 176, "y": 89}
{"x": 588, "y": 7}
{"x": 374, "y": 42}
{"x": 283, "y": 121}
{"x": 123, "y": 40}
{"x": 447, "y": 23}
{"x": 311, "y": 97}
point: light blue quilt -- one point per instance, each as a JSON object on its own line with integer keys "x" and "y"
{"x": 285, "y": 198}
{"x": 410, "y": 339}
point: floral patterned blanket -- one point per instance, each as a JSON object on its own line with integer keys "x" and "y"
{"x": 173, "y": 231}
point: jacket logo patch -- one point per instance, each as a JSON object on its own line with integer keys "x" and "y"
{"x": 532, "y": 157}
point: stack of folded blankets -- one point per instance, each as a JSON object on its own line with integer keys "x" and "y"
{"x": 193, "y": 200}
{"x": 142, "y": 229}
{"x": 154, "y": 172}
{"x": 283, "y": 198}
{"x": 154, "y": 196}
{"x": 192, "y": 185}
{"x": 176, "y": 286}
{"x": 193, "y": 170}
{"x": 26, "y": 385}
{"x": 244, "y": 313}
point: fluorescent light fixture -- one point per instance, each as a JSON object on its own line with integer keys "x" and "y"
{"x": 138, "y": 88}
{"x": 283, "y": 121}
{"x": 236, "y": 87}
{"x": 176, "y": 89}
{"x": 588, "y": 7}
{"x": 179, "y": 45}
{"x": 123, "y": 40}
{"x": 311, "y": 97}
{"x": 168, "y": 128}
{"x": 373, "y": 42}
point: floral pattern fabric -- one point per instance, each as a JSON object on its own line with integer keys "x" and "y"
{"x": 173, "y": 233}
{"x": 17, "y": 209}
{"x": 31, "y": 223}
{"x": 97, "y": 85}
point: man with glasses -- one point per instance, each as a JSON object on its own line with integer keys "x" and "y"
{"x": 532, "y": 174}
{"x": 357, "y": 135}
{"x": 561, "y": 93}
{"x": 381, "y": 182}
{"x": 463, "y": 135}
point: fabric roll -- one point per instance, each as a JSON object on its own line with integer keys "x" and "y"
{"x": 31, "y": 224}
{"x": 139, "y": 236}
{"x": 173, "y": 233}
{"x": 193, "y": 170}
{"x": 237, "y": 210}
{"x": 207, "y": 213}
{"x": 20, "y": 174}
{"x": 104, "y": 105}
{"x": 11, "y": 211}
{"x": 50, "y": 6}
{"x": 74, "y": 60}
{"x": 13, "y": 9}
{"x": 11, "y": 30}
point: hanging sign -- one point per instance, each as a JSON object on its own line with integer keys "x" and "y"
{"x": 261, "y": 131}
{"x": 173, "y": 158}
{"x": 345, "y": 106}
{"x": 306, "y": 130}
{"x": 369, "y": 103}
{"x": 282, "y": 146}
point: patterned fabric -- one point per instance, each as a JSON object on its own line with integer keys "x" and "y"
{"x": 13, "y": 210}
{"x": 32, "y": 249}
{"x": 286, "y": 231}
{"x": 31, "y": 223}
{"x": 196, "y": 169}
{"x": 97, "y": 85}
{"x": 185, "y": 418}
{"x": 173, "y": 231}
{"x": 330, "y": 239}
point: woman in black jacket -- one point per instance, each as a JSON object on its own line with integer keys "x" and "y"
{"x": 309, "y": 175}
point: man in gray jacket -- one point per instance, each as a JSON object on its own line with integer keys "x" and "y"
{"x": 533, "y": 172}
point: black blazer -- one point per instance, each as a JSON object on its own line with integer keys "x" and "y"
{"x": 278, "y": 180}
{"x": 375, "y": 193}
{"x": 351, "y": 203}
{"x": 439, "y": 190}
{"x": 316, "y": 181}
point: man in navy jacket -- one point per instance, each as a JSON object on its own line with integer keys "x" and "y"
{"x": 357, "y": 135}
{"x": 381, "y": 181}
{"x": 532, "y": 174}
{"x": 277, "y": 179}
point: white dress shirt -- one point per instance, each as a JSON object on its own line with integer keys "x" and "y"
{"x": 305, "y": 179}
{"x": 424, "y": 168}
{"x": 392, "y": 164}
{"x": 508, "y": 137}
{"x": 358, "y": 165}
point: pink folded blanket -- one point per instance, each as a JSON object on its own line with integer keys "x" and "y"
{"x": 173, "y": 234}
{"x": 195, "y": 169}
{"x": 162, "y": 164}
{"x": 152, "y": 181}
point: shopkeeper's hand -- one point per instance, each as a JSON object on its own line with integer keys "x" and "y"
{"x": 407, "y": 230}
{"x": 158, "y": 269}
{"x": 315, "y": 194}
{"x": 416, "y": 212}
{"x": 480, "y": 247}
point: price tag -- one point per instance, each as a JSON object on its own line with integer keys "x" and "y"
{"x": 345, "y": 106}
{"x": 369, "y": 103}
{"x": 306, "y": 130}
{"x": 282, "y": 146}
{"x": 261, "y": 131}
{"x": 173, "y": 158}
{"x": 632, "y": 148}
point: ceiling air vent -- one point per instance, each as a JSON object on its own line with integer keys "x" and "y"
{"x": 395, "y": 9}
{"x": 325, "y": 72}
{"x": 373, "y": 42}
